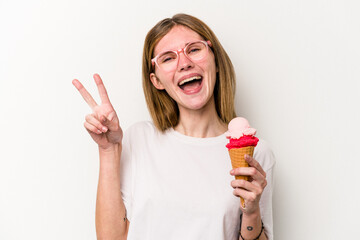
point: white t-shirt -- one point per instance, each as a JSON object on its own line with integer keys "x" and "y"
{"x": 178, "y": 187}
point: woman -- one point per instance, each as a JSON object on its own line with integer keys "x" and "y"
{"x": 169, "y": 179}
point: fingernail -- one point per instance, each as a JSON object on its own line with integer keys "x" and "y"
{"x": 247, "y": 156}
{"x": 104, "y": 129}
{"x": 232, "y": 171}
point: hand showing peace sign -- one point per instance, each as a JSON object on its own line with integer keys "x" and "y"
{"x": 103, "y": 124}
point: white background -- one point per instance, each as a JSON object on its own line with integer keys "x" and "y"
{"x": 297, "y": 66}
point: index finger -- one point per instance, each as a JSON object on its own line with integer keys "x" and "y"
{"x": 253, "y": 163}
{"x": 102, "y": 90}
{"x": 84, "y": 93}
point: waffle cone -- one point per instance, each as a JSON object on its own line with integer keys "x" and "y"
{"x": 238, "y": 160}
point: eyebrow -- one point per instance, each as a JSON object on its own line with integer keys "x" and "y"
{"x": 176, "y": 49}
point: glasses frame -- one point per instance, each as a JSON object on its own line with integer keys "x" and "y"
{"x": 181, "y": 50}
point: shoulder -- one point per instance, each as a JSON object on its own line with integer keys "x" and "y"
{"x": 140, "y": 131}
{"x": 264, "y": 155}
{"x": 141, "y": 127}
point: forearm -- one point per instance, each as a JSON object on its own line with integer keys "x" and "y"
{"x": 111, "y": 220}
{"x": 251, "y": 226}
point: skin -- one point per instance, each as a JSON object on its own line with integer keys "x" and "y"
{"x": 103, "y": 126}
{"x": 251, "y": 192}
{"x": 176, "y": 39}
{"x": 198, "y": 118}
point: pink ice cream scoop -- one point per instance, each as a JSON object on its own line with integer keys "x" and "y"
{"x": 240, "y": 134}
{"x": 239, "y": 127}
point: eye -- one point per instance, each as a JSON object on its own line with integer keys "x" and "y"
{"x": 167, "y": 57}
{"x": 194, "y": 50}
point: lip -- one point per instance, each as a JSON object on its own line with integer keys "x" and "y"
{"x": 193, "y": 91}
{"x": 188, "y": 76}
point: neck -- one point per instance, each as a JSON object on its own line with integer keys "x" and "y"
{"x": 200, "y": 123}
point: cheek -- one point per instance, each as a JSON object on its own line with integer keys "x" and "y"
{"x": 208, "y": 65}
{"x": 165, "y": 78}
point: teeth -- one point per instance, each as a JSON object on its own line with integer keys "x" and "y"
{"x": 189, "y": 80}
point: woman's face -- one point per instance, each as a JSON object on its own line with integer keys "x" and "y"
{"x": 195, "y": 94}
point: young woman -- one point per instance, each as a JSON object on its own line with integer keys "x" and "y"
{"x": 170, "y": 178}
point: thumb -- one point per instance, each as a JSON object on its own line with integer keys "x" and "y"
{"x": 108, "y": 120}
{"x": 111, "y": 116}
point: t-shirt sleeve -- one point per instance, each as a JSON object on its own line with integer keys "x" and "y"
{"x": 126, "y": 174}
{"x": 266, "y": 158}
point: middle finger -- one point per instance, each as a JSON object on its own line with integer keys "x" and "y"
{"x": 252, "y": 172}
{"x": 245, "y": 185}
{"x": 101, "y": 88}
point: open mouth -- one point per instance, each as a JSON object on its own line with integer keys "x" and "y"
{"x": 191, "y": 85}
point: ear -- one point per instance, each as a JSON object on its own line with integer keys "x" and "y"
{"x": 156, "y": 82}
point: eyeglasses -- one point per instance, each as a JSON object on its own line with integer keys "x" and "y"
{"x": 195, "y": 51}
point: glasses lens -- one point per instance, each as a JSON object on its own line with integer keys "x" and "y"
{"x": 167, "y": 61}
{"x": 196, "y": 51}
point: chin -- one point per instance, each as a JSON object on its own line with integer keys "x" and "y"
{"x": 195, "y": 104}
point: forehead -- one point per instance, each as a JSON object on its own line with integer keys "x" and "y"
{"x": 176, "y": 38}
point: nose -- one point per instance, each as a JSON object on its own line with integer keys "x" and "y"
{"x": 184, "y": 63}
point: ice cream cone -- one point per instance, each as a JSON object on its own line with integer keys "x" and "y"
{"x": 238, "y": 160}
{"x": 242, "y": 141}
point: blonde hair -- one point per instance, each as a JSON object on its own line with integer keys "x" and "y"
{"x": 163, "y": 109}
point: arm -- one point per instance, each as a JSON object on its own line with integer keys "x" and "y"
{"x": 111, "y": 222}
{"x": 251, "y": 226}
{"x": 251, "y": 191}
{"x": 103, "y": 127}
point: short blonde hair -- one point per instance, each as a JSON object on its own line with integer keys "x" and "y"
{"x": 163, "y": 109}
